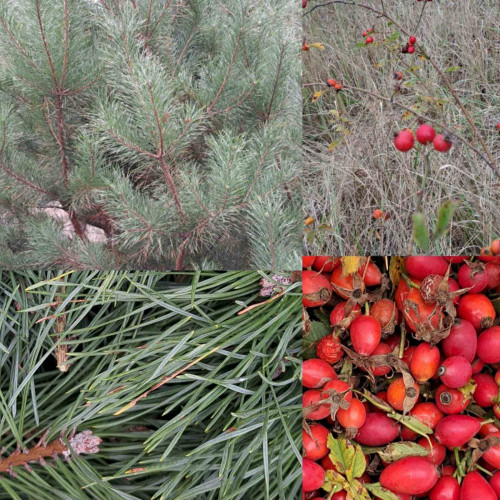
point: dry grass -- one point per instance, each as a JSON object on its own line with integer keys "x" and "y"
{"x": 364, "y": 171}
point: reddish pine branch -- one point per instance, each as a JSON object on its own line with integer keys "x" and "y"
{"x": 83, "y": 442}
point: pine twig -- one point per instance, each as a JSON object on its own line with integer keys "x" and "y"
{"x": 83, "y": 442}
{"x": 164, "y": 380}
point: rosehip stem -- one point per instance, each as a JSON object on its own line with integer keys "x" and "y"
{"x": 482, "y": 469}
{"x": 489, "y": 421}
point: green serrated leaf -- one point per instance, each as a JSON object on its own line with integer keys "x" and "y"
{"x": 358, "y": 466}
{"x": 341, "y": 454}
{"x": 396, "y": 451}
{"x": 357, "y": 491}
{"x": 334, "y": 482}
{"x": 420, "y": 232}
{"x": 379, "y": 492}
{"x": 445, "y": 215}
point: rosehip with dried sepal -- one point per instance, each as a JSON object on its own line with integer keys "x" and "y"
{"x": 331, "y": 82}
{"x": 442, "y": 143}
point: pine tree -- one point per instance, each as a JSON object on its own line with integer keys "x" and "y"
{"x": 157, "y": 134}
{"x": 140, "y": 385}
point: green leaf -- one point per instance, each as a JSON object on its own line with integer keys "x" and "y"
{"x": 334, "y": 482}
{"x": 420, "y": 232}
{"x": 358, "y": 491}
{"x": 358, "y": 465}
{"x": 445, "y": 215}
{"x": 380, "y": 492}
{"x": 395, "y": 451}
{"x": 341, "y": 454}
{"x": 412, "y": 423}
{"x": 452, "y": 68}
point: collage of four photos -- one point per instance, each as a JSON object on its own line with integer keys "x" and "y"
{"x": 249, "y": 249}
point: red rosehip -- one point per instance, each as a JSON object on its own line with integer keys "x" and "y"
{"x": 425, "y": 134}
{"x": 369, "y": 39}
{"x": 328, "y": 349}
{"x": 441, "y": 143}
{"x": 404, "y": 141}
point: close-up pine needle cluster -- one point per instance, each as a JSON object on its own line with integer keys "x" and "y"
{"x": 138, "y": 385}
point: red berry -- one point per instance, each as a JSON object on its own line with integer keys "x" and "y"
{"x": 339, "y": 313}
{"x": 419, "y": 314}
{"x": 425, "y": 362}
{"x": 411, "y": 49}
{"x": 461, "y": 341}
{"x": 486, "y": 391}
{"x": 325, "y": 264}
{"x": 447, "y": 488}
{"x": 314, "y": 444}
{"x": 451, "y": 401}
{"x": 475, "y": 279}
{"x": 369, "y": 39}
{"x": 425, "y": 134}
{"x": 441, "y": 143}
{"x": 365, "y": 33}
{"x": 412, "y": 39}
{"x": 338, "y": 387}
{"x": 379, "y": 371}
{"x": 455, "y": 371}
{"x": 495, "y": 247}
{"x": 313, "y": 475}
{"x": 488, "y": 345}
{"x": 316, "y": 289}
{"x": 353, "y": 417}
{"x": 495, "y": 483}
{"x": 492, "y": 270}
{"x": 438, "y": 452}
{"x": 397, "y": 392}
{"x": 385, "y": 311}
{"x": 371, "y": 274}
{"x": 409, "y": 476}
{"x": 428, "y": 413}
{"x": 331, "y": 82}
{"x": 366, "y": 333}
{"x": 477, "y": 309}
{"x": 343, "y": 285}
{"x": 309, "y": 403}
{"x": 474, "y": 486}
{"x": 328, "y": 349}
{"x": 404, "y": 141}
{"x": 316, "y": 373}
{"x": 377, "y": 430}
{"x": 419, "y": 267}
{"x": 307, "y": 261}
{"x": 456, "y": 430}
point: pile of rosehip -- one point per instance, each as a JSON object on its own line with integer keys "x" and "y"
{"x": 415, "y": 337}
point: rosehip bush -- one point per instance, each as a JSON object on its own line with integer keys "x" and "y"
{"x": 401, "y": 378}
